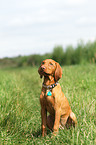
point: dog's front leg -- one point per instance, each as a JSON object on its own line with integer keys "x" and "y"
{"x": 56, "y": 122}
{"x": 44, "y": 120}
{"x": 43, "y": 114}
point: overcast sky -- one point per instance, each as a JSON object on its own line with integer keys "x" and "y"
{"x": 36, "y": 26}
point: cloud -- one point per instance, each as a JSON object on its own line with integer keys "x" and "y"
{"x": 37, "y": 26}
{"x": 42, "y": 16}
{"x": 37, "y": 12}
{"x": 76, "y": 2}
{"x": 86, "y": 21}
{"x": 21, "y": 21}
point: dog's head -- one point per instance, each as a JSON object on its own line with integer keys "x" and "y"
{"x": 50, "y": 67}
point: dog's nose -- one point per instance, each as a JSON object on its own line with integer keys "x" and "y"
{"x": 42, "y": 67}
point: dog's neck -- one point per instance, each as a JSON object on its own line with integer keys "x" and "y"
{"x": 48, "y": 80}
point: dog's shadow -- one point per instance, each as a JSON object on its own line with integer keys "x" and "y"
{"x": 38, "y": 133}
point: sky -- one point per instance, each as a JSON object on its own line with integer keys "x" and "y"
{"x": 37, "y": 26}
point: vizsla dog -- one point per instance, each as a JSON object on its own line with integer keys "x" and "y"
{"x": 53, "y": 100}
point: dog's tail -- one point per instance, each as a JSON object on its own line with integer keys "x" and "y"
{"x": 74, "y": 120}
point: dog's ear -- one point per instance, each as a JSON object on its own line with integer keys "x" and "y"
{"x": 39, "y": 71}
{"x": 58, "y": 72}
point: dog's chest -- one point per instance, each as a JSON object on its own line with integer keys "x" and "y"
{"x": 50, "y": 102}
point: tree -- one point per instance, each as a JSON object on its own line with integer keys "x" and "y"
{"x": 57, "y": 54}
{"x": 69, "y": 55}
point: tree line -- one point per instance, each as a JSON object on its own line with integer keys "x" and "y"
{"x": 81, "y": 54}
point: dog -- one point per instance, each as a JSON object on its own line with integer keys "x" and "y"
{"x": 53, "y": 100}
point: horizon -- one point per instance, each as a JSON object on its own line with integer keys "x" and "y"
{"x": 42, "y": 54}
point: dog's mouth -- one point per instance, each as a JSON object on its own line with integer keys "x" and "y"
{"x": 44, "y": 72}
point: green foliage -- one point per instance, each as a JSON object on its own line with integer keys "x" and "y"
{"x": 35, "y": 60}
{"x": 21, "y": 61}
{"x": 57, "y": 54}
{"x": 81, "y": 54}
{"x": 20, "y": 119}
{"x": 69, "y": 56}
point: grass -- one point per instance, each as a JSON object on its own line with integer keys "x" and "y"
{"x": 20, "y": 120}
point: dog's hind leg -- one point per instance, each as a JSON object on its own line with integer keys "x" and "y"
{"x": 71, "y": 121}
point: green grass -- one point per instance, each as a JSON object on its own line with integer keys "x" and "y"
{"x": 20, "y": 120}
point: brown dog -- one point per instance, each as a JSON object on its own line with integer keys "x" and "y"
{"x": 53, "y": 100}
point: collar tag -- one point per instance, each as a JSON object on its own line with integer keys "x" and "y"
{"x": 49, "y": 93}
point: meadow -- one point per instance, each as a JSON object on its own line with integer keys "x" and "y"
{"x": 20, "y": 119}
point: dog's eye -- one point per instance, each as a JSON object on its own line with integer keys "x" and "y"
{"x": 51, "y": 63}
{"x": 42, "y": 62}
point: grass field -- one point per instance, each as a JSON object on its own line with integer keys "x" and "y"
{"x": 20, "y": 120}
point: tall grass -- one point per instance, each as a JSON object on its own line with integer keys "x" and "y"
{"x": 20, "y": 120}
